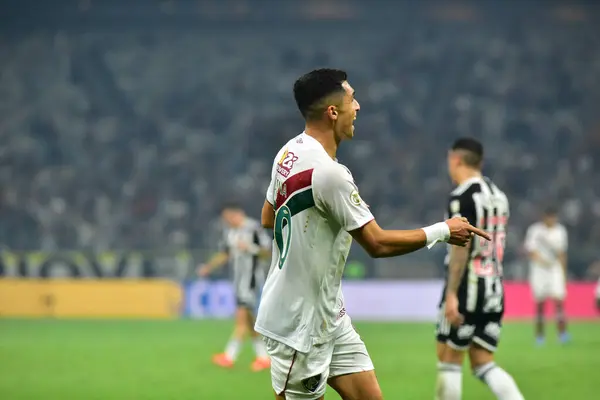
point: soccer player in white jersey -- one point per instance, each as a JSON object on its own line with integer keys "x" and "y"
{"x": 546, "y": 244}
{"x": 245, "y": 245}
{"x": 314, "y": 208}
{"x": 472, "y": 302}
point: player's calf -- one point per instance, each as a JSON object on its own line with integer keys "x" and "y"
{"x": 561, "y": 321}
{"x": 228, "y": 358}
{"x": 449, "y": 377}
{"x": 449, "y": 382}
{"x": 498, "y": 380}
{"x": 539, "y": 323}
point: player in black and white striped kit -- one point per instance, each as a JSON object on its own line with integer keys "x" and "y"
{"x": 472, "y": 303}
{"x": 246, "y": 246}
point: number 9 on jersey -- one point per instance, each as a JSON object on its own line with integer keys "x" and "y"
{"x": 283, "y": 218}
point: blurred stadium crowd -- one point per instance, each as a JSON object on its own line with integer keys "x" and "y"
{"x": 131, "y": 138}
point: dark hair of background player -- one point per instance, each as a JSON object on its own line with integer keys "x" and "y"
{"x": 550, "y": 211}
{"x": 313, "y": 88}
{"x": 471, "y": 151}
{"x": 231, "y": 206}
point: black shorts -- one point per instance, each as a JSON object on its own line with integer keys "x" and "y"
{"x": 479, "y": 327}
{"x": 245, "y": 303}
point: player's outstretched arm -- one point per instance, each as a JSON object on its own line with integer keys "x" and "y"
{"x": 216, "y": 261}
{"x": 380, "y": 243}
{"x": 337, "y": 196}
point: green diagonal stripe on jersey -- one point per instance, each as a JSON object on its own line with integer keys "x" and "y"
{"x": 300, "y": 201}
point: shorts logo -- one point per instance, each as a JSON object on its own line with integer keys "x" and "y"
{"x": 492, "y": 330}
{"x": 465, "y": 331}
{"x": 355, "y": 198}
{"x": 312, "y": 384}
{"x": 286, "y": 163}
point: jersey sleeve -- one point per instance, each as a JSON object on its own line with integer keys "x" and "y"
{"x": 336, "y": 194}
{"x": 270, "y": 192}
{"x": 463, "y": 206}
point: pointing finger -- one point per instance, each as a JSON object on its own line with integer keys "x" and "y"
{"x": 479, "y": 232}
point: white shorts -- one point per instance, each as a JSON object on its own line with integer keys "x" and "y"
{"x": 304, "y": 375}
{"x": 547, "y": 283}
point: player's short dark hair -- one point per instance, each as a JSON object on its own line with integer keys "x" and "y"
{"x": 315, "y": 86}
{"x": 550, "y": 210}
{"x": 231, "y": 205}
{"x": 471, "y": 149}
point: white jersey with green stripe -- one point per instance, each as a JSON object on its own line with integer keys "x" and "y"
{"x": 316, "y": 204}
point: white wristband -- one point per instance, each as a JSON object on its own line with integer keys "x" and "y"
{"x": 439, "y": 232}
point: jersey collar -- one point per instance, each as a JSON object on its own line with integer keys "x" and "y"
{"x": 315, "y": 142}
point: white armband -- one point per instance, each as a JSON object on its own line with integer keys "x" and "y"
{"x": 439, "y": 232}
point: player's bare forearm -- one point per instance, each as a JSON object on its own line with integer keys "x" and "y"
{"x": 381, "y": 243}
{"x": 400, "y": 242}
{"x": 563, "y": 261}
{"x": 456, "y": 268}
{"x": 534, "y": 256}
{"x": 264, "y": 253}
{"x": 217, "y": 260}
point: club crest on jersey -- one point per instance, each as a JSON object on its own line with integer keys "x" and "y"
{"x": 312, "y": 384}
{"x": 286, "y": 163}
{"x": 355, "y": 198}
{"x": 455, "y": 208}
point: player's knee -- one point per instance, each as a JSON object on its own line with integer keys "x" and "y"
{"x": 372, "y": 394}
{"x": 479, "y": 356}
{"x": 376, "y": 393}
{"x": 452, "y": 356}
{"x": 539, "y": 307}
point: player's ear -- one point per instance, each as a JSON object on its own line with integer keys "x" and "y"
{"x": 332, "y": 112}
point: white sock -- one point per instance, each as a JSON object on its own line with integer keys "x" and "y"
{"x": 233, "y": 349}
{"x": 449, "y": 382}
{"x": 259, "y": 348}
{"x": 499, "y": 381}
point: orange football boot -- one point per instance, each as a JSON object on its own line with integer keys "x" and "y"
{"x": 260, "y": 364}
{"x": 223, "y": 361}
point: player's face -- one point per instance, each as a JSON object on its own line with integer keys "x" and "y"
{"x": 346, "y": 113}
{"x": 550, "y": 220}
{"x": 454, "y": 161}
{"x": 233, "y": 218}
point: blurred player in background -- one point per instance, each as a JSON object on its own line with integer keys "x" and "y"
{"x": 246, "y": 246}
{"x": 472, "y": 304}
{"x": 315, "y": 210}
{"x": 546, "y": 244}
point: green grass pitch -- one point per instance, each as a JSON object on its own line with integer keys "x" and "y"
{"x": 105, "y": 360}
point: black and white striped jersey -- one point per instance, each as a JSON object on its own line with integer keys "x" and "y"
{"x": 486, "y": 207}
